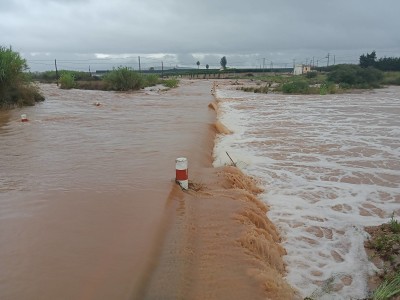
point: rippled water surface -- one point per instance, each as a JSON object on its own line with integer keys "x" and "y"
{"x": 83, "y": 188}
{"x": 330, "y": 166}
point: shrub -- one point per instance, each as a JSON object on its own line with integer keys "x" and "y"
{"x": 15, "y": 84}
{"x": 47, "y": 76}
{"x": 391, "y": 78}
{"x": 394, "y": 225}
{"x": 261, "y": 89}
{"x": 92, "y": 85}
{"x": 296, "y": 87}
{"x": 123, "y": 79}
{"x": 355, "y": 76}
{"x": 344, "y": 86}
{"x": 171, "y": 82}
{"x": 311, "y": 74}
{"x": 327, "y": 88}
{"x": 343, "y": 74}
{"x": 151, "y": 80}
{"x": 67, "y": 80}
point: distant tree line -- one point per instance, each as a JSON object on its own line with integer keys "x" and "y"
{"x": 383, "y": 64}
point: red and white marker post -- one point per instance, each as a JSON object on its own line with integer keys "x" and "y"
{"x": 182, "y": 175}
{"x": 24, "y": 118}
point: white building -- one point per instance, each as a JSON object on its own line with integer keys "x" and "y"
{"x": 301, "y": 69}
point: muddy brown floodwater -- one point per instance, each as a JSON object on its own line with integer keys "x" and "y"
{"x": 89, "y": 209}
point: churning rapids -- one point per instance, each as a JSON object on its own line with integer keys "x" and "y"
{"x": 89, "y": 210}
{"x": 330, "y": 166}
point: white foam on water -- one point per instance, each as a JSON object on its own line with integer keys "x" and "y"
{"x": 330, "y": 166}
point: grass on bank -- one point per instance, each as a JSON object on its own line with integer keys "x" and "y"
{"x": 388, "y": 289}
{"x": 385, "y": 245}
{"x": 16, "y": 87}
{"x": 391, "y": 78}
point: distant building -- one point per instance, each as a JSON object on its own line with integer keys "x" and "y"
{"x": 301, "y": 69}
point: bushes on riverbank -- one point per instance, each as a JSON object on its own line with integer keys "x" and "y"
{"x": 296, "y": 87}
{"x": 383, "y": 244}
{"x": 123, "y": 79}
{"x": 391, "y": 78}
{"x": 120, "y": 79}
{"x": 67, "y": 80}
{"x": 171, "y": 83}
{"x": 16, "y": 88}
{"x": 353, "y": 76}
{"x": 339, "y": 79}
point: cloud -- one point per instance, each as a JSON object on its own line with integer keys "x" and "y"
{"x": 187, "y": 29}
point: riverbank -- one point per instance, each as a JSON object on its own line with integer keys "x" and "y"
{"x": 383, "y": 249}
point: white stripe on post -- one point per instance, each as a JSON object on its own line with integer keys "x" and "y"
{"x": 24, "y": 118}
{"x": 182, "y": 176}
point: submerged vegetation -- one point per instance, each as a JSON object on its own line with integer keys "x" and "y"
{"x": 16, "y": 88}
{"x": 171, "y": 83}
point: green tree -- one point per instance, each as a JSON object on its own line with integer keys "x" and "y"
{"x": 12, "y": 67}
{"x": 223, "y": 62}
{"x": 388, "y": 64}
{"x": 198, "y": 64}
{"x": 15, "y": 84}
{"x": 368, "y": 60}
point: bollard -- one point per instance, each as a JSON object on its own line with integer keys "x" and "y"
{"x": 24, "y": 118}
{"x": 182, "y": 177}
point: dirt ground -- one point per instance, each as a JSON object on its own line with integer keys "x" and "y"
{"x": 383, "y": 249}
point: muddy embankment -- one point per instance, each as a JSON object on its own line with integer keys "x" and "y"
{"x": 217, "y": 240}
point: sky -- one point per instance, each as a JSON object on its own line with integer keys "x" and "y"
{"x": 102, "y": 34}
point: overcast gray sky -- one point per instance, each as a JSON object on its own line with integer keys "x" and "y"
{"x": 106, "y": 33}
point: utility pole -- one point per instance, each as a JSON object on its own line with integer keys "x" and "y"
{"x": 162, "y": 69}
{"x": 55, "y": 64}
{"x": 264, "y": 65}
{"x": 327, "y": 64}
{"x": 294, "y": 63}
{"x": 334, "y": 59}
{"x": 140, "y": 70}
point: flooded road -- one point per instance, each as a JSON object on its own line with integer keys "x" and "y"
{"x": 83, "y": 188}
